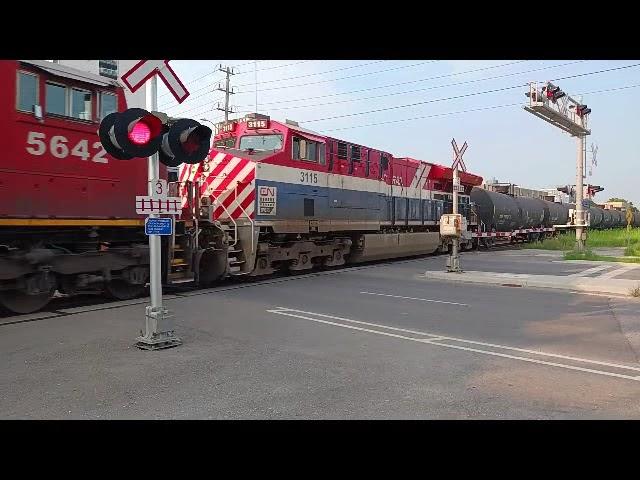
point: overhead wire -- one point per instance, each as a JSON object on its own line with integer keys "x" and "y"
{"x": 462, "y": 96}
{"x": 468, "y": 110}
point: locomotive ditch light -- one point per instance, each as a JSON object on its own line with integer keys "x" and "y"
{"x": 133, "y": 133}
{"x": 185, "y": 141}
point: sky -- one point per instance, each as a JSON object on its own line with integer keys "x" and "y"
{"x": 409, "y": 108}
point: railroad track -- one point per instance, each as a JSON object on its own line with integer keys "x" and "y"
{"x": 60, "y": 305}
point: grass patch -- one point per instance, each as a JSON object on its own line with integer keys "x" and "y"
{"x": 613, "y": 238}
{"x": 632, "y": 250}
{"x": 635, "y": 292}
{"x": 589, "y": 255}
{"x": 595, "y": 239}
{"x": 563, "y": 241}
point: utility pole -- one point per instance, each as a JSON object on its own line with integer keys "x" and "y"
{"x": 227, "y": 91}
{"x": 580, "y": 194}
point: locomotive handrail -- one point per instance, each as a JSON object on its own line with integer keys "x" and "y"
{"x": 245, "y": 213}
{"x": 235, "y": 225}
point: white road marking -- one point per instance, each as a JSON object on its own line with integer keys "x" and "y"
{"x": 414, "y": 298}
{"x": 619, "y": 271}
{"x": 439, "y": 338}
{"x": 589, "y": 271}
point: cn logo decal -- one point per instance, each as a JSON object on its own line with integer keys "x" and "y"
{"x": 267, "y": 200}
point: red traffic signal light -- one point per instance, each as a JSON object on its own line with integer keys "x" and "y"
{"x": 554, "y": 93}
{"x": 130, "y": 134}
{"x": 582, "y": 110}
{"x": 186, "y": 141}
{"x": 137, "y": 133}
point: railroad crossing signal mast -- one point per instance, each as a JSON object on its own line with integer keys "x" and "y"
{"x": 138, "y": 133}
{"x": 554, "y": 106}
{"x": 453, "y": 225}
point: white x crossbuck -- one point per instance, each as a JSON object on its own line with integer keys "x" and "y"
{"x": 457, "y": 160}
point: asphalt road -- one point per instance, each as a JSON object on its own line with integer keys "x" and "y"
{"x": 367, "y": 342}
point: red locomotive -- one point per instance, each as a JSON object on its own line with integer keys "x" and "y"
{"x": 276, "y": 196}
{"x": 271, "y": 196}
{"x": 67, "y": 209}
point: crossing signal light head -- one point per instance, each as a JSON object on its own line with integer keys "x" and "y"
{"x": 185, "y": 141}
{"x": 582, "y": 110}
{"x": 137, "y": 133}
{"x": 554, "y": 93}
{"x": 131, "y": 134}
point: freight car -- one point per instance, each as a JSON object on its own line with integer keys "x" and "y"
{"x": 67, "y": 214}
{"x": 526, "y": 219}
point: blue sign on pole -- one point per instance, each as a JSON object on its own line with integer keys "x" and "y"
{"x": 158, "y": 226}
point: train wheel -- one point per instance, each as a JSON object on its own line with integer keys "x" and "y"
{"x": 19, "y": 302}
{"x": 121, "y": 290}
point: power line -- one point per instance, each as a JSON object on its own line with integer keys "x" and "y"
{"x": 212, "y": 72}
{"x": 425, "y": 116}
{"x": 461, "y": 96}
{"x": 404, "y": 92}
{"x": 467, "y": 111}
{"x": 311, "y": 74}
{"x": 238, "y": 73}
{"x": 313, "y": 83}
{"x": 345, "y": 78}
{"x": 395, "y": 107}
{"x": 404, "y": 83}
{"x": 401, "y": 83}
{"x": 271, "y": 68}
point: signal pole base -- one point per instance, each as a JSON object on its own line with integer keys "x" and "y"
{"x": 453, "y": 264}
{"x": 159, "y": 333}
{"x": 453, "y": 260}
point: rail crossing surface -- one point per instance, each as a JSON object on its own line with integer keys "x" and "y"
{"x": 374, "y": 341}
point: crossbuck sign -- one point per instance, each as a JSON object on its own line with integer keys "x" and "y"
{"x": 457, "y": 154}
{"x": 145, "y": 69}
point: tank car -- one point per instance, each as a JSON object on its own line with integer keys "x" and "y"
{"x": 67, "y": 210}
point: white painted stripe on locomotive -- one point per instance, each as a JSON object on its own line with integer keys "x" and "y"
{"x": 212, "y": 164}
{"x": 222, "y": 176}
{"x": 230, "y": 189}
{"x": 420, "y": 177}
{"x": 238, "y": 201}
{"x": 242, "y": 175}
{"x": 279, "y": 173}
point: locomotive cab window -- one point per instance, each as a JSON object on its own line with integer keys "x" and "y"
{"x": 55, "y": 99}
{"x": 261, "y": 143}
{"x": 27, "y": 91}
{"x": 108, "y": 104}
{"x": 80, "y": 104}
{"x": 307, "y": 150}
